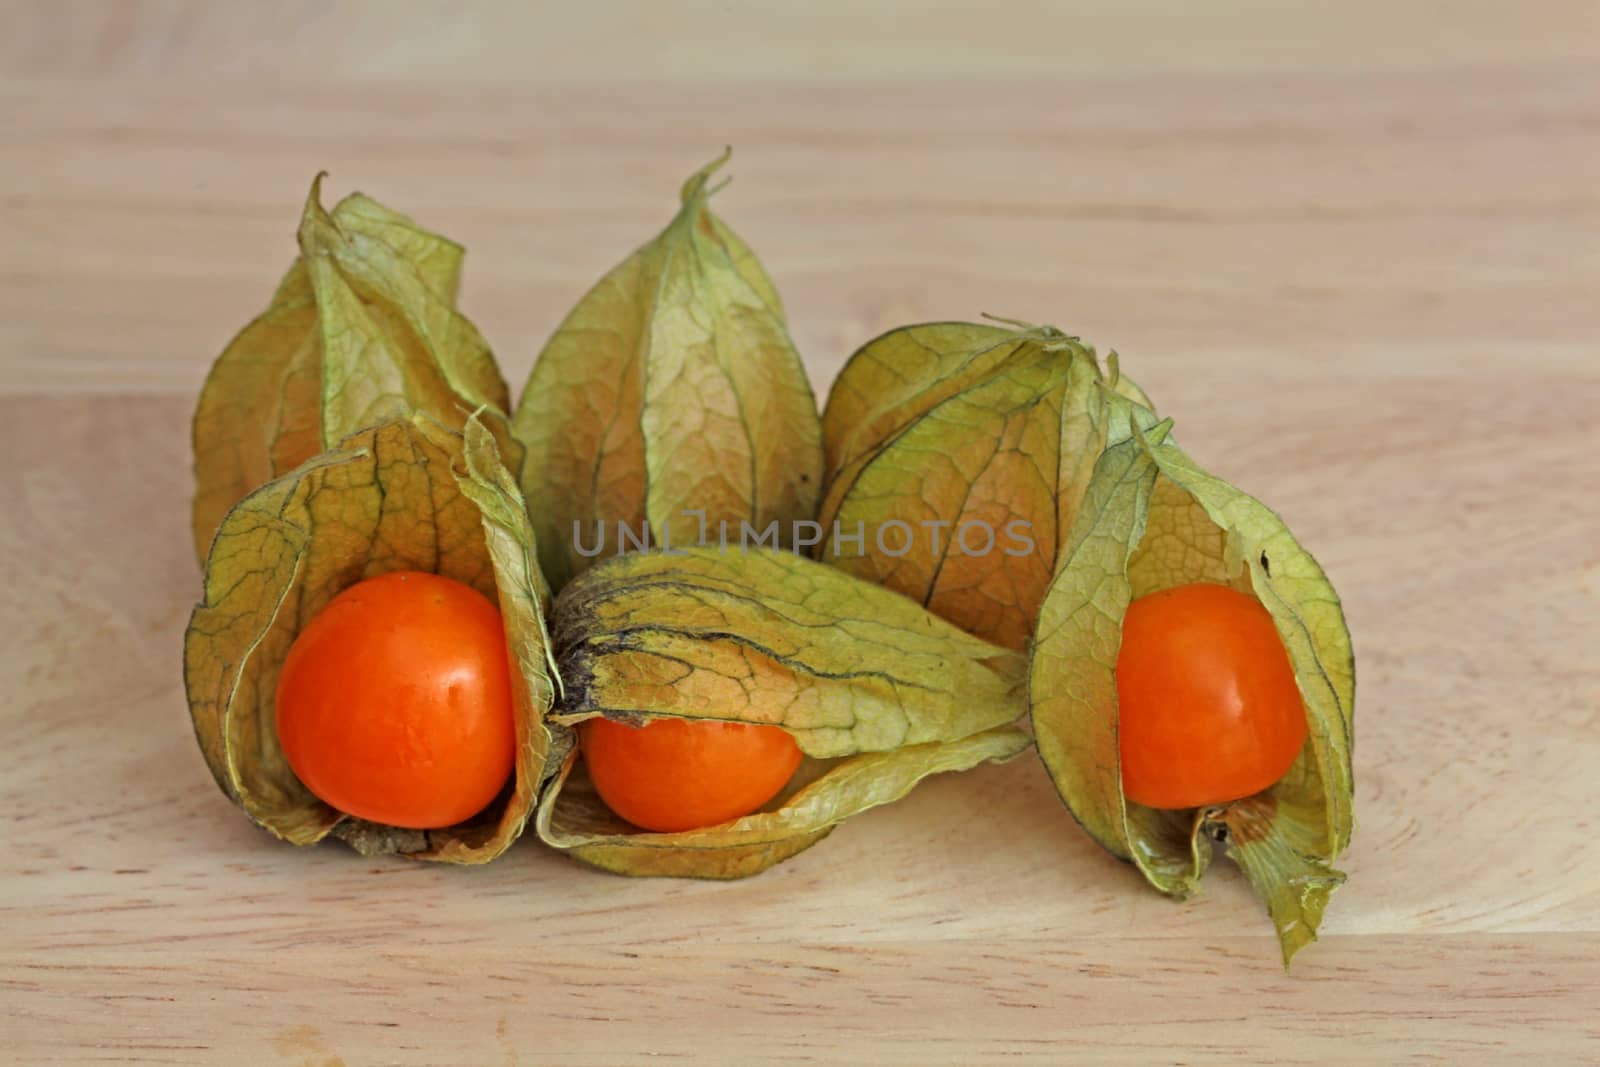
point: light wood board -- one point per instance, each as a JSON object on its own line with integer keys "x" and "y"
{"x": 1353, "y": 249}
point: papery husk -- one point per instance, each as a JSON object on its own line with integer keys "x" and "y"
{"x": 1152, "y": 519}
{"x": 670, "y": 400}
{"x": 361, "y": 330}
{"x": 957, "y": 455}
{"x": 407, "y": 494}
{"x": 877, "y": 692}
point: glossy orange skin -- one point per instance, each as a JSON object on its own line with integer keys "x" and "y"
{"x": 678, "y": 774}
{"x": 394, "y": 703}
{"x": 1208, "y": 706}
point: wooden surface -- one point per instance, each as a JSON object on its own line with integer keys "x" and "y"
{"x": 1354, "y": 249}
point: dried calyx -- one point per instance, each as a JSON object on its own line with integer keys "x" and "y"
{"x": 407, "y": 494}
{"x": 362, "y": 329}
{"x": 669, "y": 400}
{"x": 957, "y": 456}
{"x": 1153, "y": 520}
{"x": 878, "y": 694}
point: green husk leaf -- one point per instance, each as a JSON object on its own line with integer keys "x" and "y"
{"x": 769, "y": 637}
{"x": 1275, "y": 838}
{"x": 1151, "y": 519}
{"x": 362, "y": 329}
{"x": 878, "y": 690}
{"x": 408, "y": 494}
{"x": 672, "y": 387}
{"x": 957, "y": 455}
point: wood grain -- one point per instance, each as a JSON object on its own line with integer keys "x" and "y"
{"x": 1358, "y": 267}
